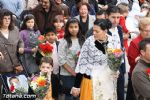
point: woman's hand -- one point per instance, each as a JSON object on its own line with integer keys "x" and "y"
{"x": 21, "y": 50}
{"x": 34, "y": 50}
{"x": 115, "y": 75}
{"x": 1, "y": 56}
{"x": 75, "y": 91}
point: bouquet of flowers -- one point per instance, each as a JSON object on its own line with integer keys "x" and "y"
{"x": 40, "y": 86}
{"x": 114, "y": 58}
{"x": 75, "y": 56}
{"x": 45, "y": 48}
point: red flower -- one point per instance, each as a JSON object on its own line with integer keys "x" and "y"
{"x": 12, "y": 88}
{"x": 46, "y": 48}
{"x": 148, "y": 71}
{"x": 60, "y": 35}
{"x": 41, "y": 38}
{"x": 78, "y": 53}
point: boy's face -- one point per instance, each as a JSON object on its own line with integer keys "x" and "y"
{"x": 46, "y": 67}
{"x": 51, "y": 37}
{"x": 114, "y": 18}
{"x": 14, "y": 80}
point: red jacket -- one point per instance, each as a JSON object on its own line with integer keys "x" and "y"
{"x": 133, "y": 52}
{"x": 122, "y": 24}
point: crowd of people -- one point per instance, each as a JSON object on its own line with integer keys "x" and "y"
{"x": 66, "y": 40}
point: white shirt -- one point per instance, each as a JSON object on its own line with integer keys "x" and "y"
{"x": 115, "y": 38}
{"x": 55, "y": 59}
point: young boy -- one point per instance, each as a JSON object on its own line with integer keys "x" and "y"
{"x": 124, "y": 9}
{"x": 51, "y": 37}
{"x": 46, "y": 68}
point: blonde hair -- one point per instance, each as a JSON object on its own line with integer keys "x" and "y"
{"x": 123, "y": 7}
{"x": 145, "y": 21}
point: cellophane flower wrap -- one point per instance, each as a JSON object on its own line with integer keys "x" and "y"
{"x": 45, "y": 48}
{"x": 114, "y": 58}
{"x": 40, "y": 86}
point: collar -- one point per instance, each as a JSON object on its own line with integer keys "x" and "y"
{"x": 145, "y": 63}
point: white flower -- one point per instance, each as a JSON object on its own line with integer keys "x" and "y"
{"x": 33, "y": 85}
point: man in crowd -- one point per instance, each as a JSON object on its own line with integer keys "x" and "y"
{"x": 44, "y": 14}
{"x": 141, "y": 73}
{"x": 134, "y": 52}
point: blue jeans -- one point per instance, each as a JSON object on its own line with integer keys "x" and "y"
{"x": 67, "y": 84}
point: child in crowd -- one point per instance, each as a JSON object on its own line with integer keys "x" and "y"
{"x": 51, "y": 37}
{"x": 67, "y": 54}
{"x": 124, "y": 9}
{"x": 58, "y": 24}
{"x": 46, "y": 68}
{"x": 29, "y": 34}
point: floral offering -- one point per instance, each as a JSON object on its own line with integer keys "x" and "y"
{"x": 40, "y": 86}
{"x": 45, "y": 48}
{"x": 114, "y": 58}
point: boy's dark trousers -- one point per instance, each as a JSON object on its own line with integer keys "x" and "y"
{"x": 55, "y": 86}
{"x": 120, "y": 82}
{"x": 130, "y": 92}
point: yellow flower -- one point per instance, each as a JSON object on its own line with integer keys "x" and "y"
{"x": 41, "y": 81}
{"x": 109, "y": 50}
{"x": 117, "y": 51}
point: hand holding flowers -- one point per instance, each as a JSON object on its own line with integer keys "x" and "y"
{"x": 114, "y": 58}
{"x": 45, "y": 47}
{"x": 40, "y": 85}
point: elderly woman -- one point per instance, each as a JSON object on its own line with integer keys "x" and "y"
{"x": 10, "y": 44}
{"x": 93, "y": 55}
{"x": 86, "y": 20}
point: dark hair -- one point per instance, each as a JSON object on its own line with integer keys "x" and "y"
{"x": 112, "y": 9}
{"x": 143, "y": 43}
{"x": 103, "y": 23}
{"x": 67, "y": 35}
{"x": 100, "y": 12}
{"x": 26, "y": 18}
{"x": 47, "y": 60}
{"x": 51, "y": 29}
{"x": 81, "y": 4}
{"x": 14, "y": 77}
{"x": 5, "y": 12}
